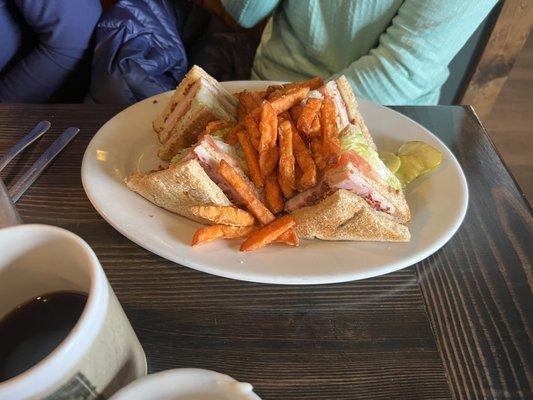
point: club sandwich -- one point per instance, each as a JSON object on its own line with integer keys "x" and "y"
{"x": 358, "y": 198}
{"x": 192, "y": 178}
{"x": 359, "y": 183}
{"x": 346, "y": 104}
{"x": 198, "y": 100}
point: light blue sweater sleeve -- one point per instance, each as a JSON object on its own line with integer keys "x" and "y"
{"x": 416, "y": 49}
{"x": 247, "y": 13}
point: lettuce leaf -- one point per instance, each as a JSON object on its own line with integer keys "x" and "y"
{"x": 179, "y": 156}
{"x": 239, "y": 153}
{"x": 352, "y": 139}
{"x": 221, "y": 134}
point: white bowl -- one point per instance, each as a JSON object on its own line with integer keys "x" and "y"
{"x": 187, "y": 384}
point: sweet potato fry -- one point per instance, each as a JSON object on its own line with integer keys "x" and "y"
{"x": 331, "y": 149}
{"x": 268, "y": 160}
{"x": 312, "y": 84}
{"x": 257, "y": 98}
{"x": 289, "y": 99}
{"x": 286, "y": 159}
{"x": 268, "y": 152}
{"x": 331, "y": 152}
{"x": 284, "y": 116}
{"x": 276, "y": 94}
{"x": 249, "y": 101}
{"x": 268, "y": 233}
{"x": 231, "y": 137}
{"x": 315, "y": 129}
{"x": 214, "y": 232}
{"x": 224, "y": 215}
{"x": 252, "y": 130}
{"x": 298, "y": 174}
{"x": 275, "y": 91}
{"x": 252, "y": 159}
{"x": 308, "y": 115}
{"x": 318, "y": 156}
{"x": 268, "y": 126}
{"x": 262, "y": 94}
{"x": 289, "y": 237}
{"x": 274, "y": 199}
{"x": 215, "y": 126}
{"x": 295, "y": 112}
{"x": 305, "y": 161}
{"x": 241, "y": 111}
{"x": 246, "y": 192}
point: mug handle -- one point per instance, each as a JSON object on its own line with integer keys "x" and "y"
{"x": 8, "y": 213}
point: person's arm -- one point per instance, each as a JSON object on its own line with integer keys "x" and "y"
{"x": 415, "y": 50}
{"x": 10, "y": 34}
{"x": 247, "y": 13}
{"x": 63, "y": 29}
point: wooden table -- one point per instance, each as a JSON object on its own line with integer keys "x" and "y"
{"x": 454, "y": 326}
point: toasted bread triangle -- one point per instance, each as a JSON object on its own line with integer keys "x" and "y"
{"x": 396, "y": 197}
{"x": 186, "y": 133}
{"x": 352, "y": 108}
{"x": 178, "y": 188}
{"x": 188, "y": 80}
{"x": 346, "y": 216}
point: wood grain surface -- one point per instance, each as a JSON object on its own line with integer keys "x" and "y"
{"x": 478, "y": 287}
{"x": 454, "y": 326}
{"x": 497, "y": 58}
{"x": 510, "y": 123}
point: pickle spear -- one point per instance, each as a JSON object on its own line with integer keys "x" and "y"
{"x": 411, "y": 167}
{"x": 391, "y": 160}
{"x": 430, "y": 157}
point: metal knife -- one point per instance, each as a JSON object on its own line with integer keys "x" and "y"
{"x": 25, "y": 181}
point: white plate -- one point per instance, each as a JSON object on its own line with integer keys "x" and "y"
{"x": 126, "y": 143}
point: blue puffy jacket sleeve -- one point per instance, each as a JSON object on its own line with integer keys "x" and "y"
{"x": 138, "y": 53}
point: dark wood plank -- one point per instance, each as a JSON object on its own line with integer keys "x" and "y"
{"x": 478, "y": 287}
{"x": 366, "y": 339}
{"x": 499, "y": 55}
{"x": 510, "y": 121}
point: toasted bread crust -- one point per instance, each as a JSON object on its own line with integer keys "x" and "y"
{"x": 181, "y": 90}
{"x": 352, "y": 108}
{"x": 173, "y": 119}
{"x": 178, "y": 188}
{"x": 185, "y": 133}
{"x": 346, "y": 216}
{"x": 179, "y": 131}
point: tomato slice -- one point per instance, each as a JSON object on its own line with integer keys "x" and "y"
{"x": 359, "y": 162}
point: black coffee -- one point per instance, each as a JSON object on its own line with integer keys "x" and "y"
{"x": 32, "y": 330}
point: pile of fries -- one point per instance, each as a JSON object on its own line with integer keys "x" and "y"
{"x": 286, "y": 144}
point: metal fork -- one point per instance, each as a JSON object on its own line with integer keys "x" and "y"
{"x": 37, "y": 131}
{"x": 8, "y": 213}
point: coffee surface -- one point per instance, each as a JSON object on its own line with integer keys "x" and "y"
{"x": 34, "y": 329}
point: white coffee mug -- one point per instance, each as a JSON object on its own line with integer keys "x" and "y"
{"x": 102, "y": 353}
